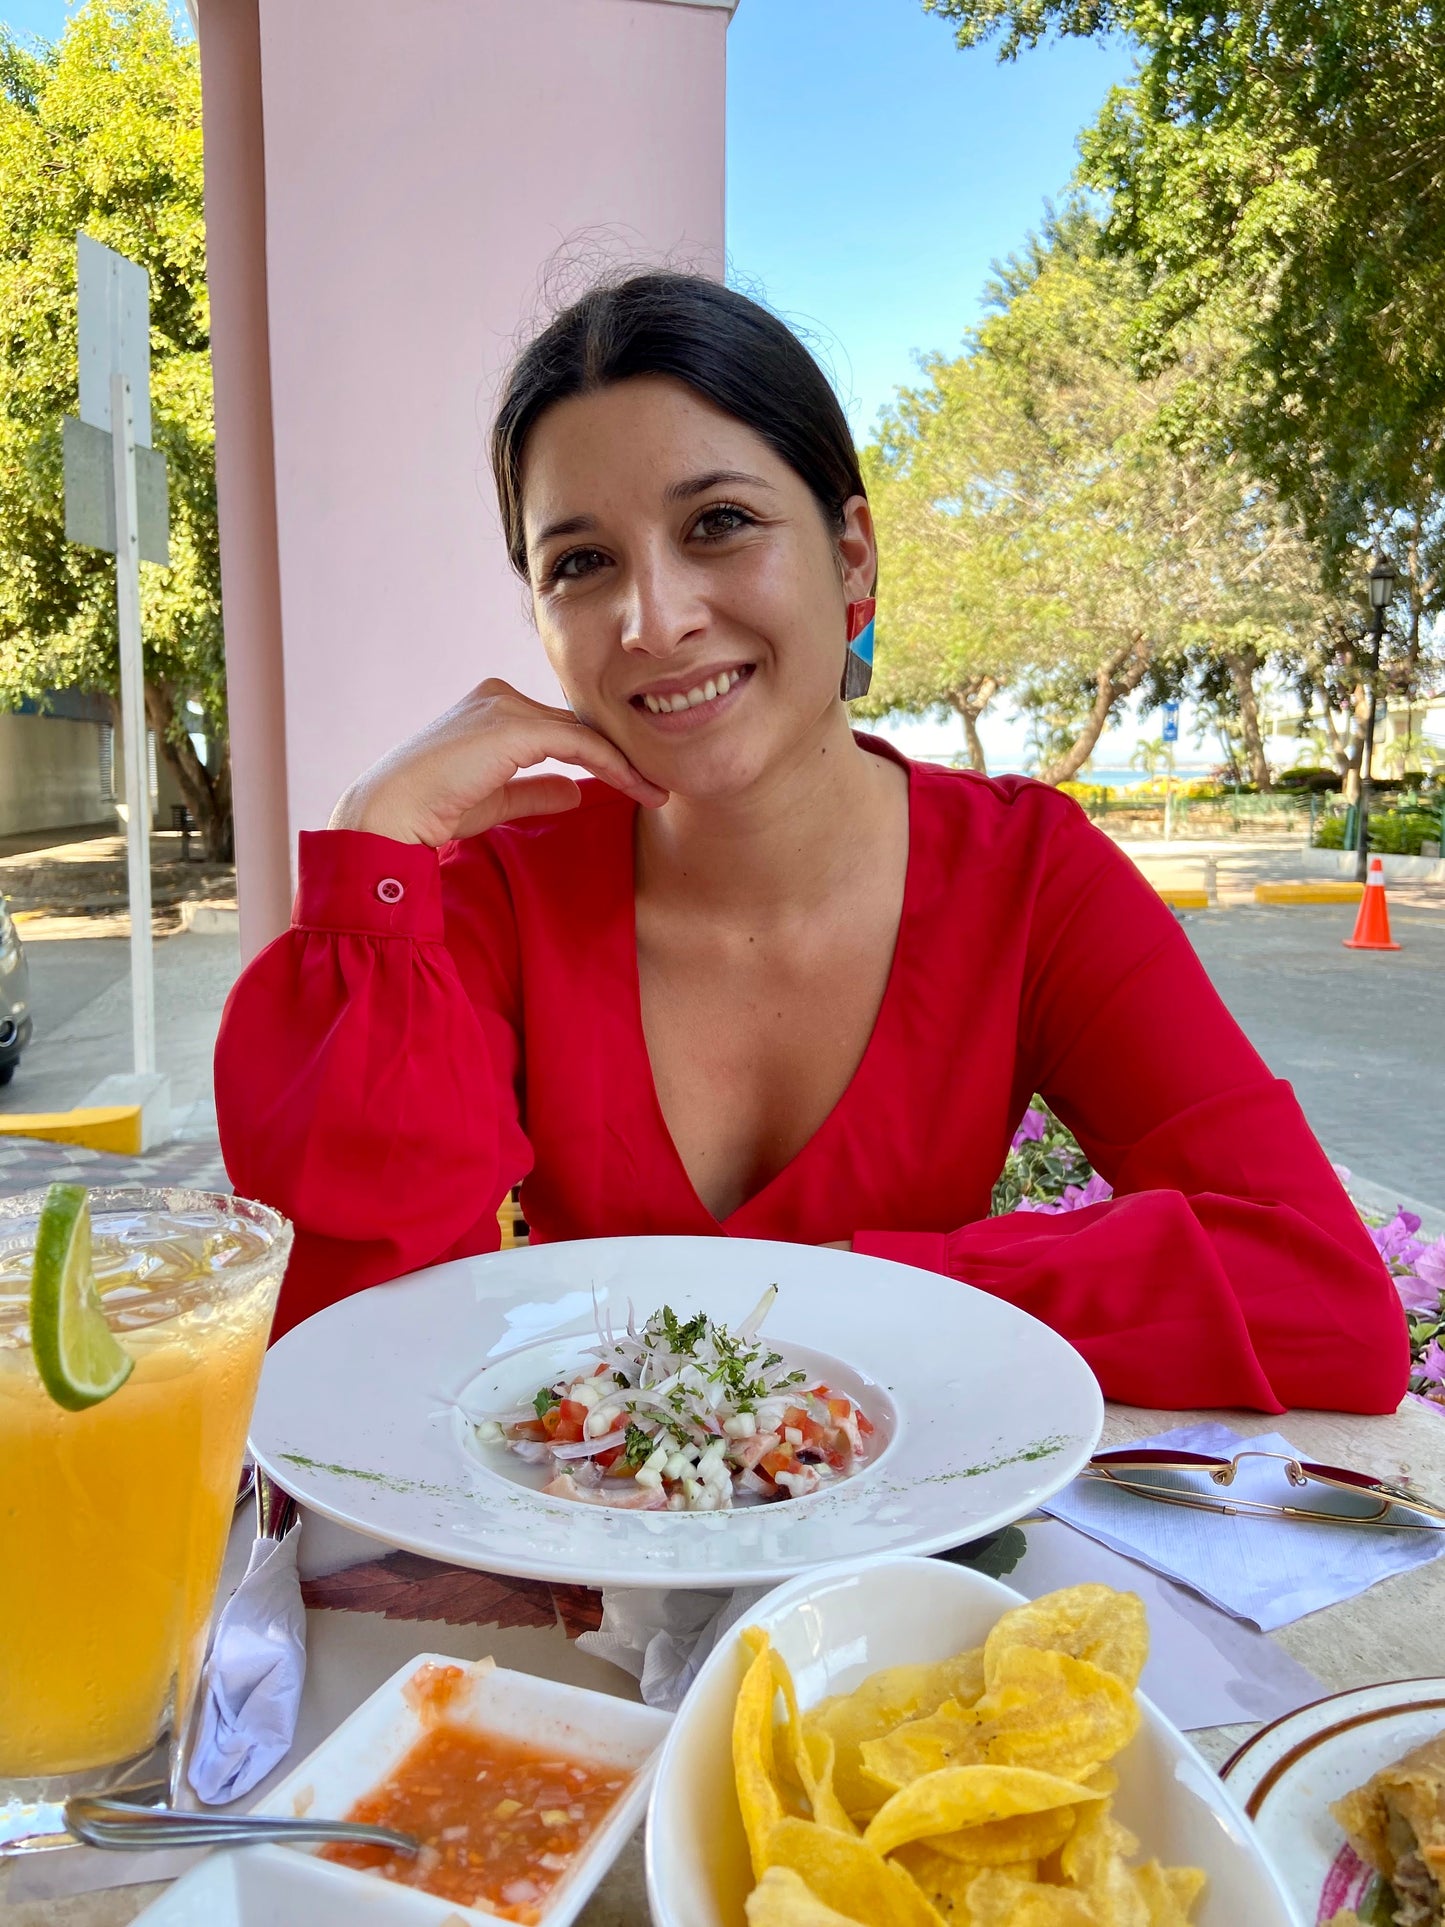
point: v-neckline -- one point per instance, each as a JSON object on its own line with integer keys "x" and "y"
{"x": 881, "y": 1017}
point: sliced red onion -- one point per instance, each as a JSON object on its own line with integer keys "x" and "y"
{"x": 589, "y": 1448}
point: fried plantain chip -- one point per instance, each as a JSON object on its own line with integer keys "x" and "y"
{"x": 754, "y": 1768}
{"x": 1090, "y": 1622}
{"x": 845, "y": 1872}
{"x": 946, "y": 1882}
{"x": 998, "y": 1899}
{"x": 1045, "y": 1709}
{"x": 967, "y": 1798}
{"x": 783, "y": 1898}
{"x": 1168, "y": 1892}
{"x": 883, "y": 1701}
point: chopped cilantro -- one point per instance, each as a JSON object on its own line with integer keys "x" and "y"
{"x": 637, "y": 1446}
{"x": 623, "y": 1380}
{"x": 545, "y": 1400}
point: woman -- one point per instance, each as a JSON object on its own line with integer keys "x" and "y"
{"x": 760, "y": 976}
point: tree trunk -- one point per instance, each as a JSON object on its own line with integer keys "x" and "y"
{"x": 1114, "y": 679}
{"x": 207, "y": 792}
{"x": 1354, "y": 744}
{"x": 970, "y": 702}
{"x": 1243, "y": 664}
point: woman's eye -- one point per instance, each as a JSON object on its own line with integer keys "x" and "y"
{"x": 576, "y": 563}
{"x": 720, "y": 520}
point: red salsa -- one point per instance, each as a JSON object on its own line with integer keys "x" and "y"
{"x": 500, "y": 1822}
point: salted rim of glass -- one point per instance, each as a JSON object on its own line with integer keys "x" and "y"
{"x": 155, "y": 1306}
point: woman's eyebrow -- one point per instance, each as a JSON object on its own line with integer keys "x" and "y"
{"x": 700, "y": 484}
{"x": 573, "y": 525}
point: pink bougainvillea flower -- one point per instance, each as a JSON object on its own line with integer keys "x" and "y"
{"x": 1034, "y": 1126}
{"x": 1396, "y": 1241}
{"x": 1432, "y": 1362}
{"x": 1430, "y": 1266}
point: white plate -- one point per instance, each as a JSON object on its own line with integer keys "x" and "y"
{"x": 982, "y": 1412}
{"x": 282, "y": 1886}
{"x": 1287, "y": 1776}
{"x": 834, "y": 1629}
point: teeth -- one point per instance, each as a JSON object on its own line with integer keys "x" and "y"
{"x": 709, "y": 691}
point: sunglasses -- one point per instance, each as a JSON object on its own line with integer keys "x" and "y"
{"x": 1149, "y": 1471}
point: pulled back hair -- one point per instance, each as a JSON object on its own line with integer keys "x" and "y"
{"x": 719, "y": 343}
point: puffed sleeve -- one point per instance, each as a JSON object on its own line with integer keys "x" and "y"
{"x": 366, "y": 1076}
{"x": 1230, "y": 1268}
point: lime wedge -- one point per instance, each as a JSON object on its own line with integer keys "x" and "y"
{"x": 79, "y": 1361}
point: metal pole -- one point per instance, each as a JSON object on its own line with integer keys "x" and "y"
{"x": 1362, "y": 839}
{"x": 133, "y": 724}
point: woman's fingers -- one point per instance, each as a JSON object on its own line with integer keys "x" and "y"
{"x": 524, "y": 796}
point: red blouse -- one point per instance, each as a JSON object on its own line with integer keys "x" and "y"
{"x": 435, "y": 1028}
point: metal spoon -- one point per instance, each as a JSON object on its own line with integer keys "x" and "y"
{"x": 119, "y": 1824}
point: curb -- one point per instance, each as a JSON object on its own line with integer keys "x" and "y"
{"x": 102, "y": 1127}
{"x": 1322, "y": 892}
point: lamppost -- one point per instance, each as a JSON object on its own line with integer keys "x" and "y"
{"x": 1382, "y": 588}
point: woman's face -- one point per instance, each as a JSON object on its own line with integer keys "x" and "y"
{"x": 687, "y": 589}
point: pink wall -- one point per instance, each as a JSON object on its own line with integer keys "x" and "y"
{"x": 423, "y": 160}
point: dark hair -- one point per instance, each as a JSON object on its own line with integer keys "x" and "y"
{"x": 731, "y": 351}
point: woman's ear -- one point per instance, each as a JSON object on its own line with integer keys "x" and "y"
{"x": 858, "y": 549}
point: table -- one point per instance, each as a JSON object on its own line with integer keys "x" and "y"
{"x": 1390, "y": 1632}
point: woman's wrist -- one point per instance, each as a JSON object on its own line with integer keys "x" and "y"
{"x": 361, "y": 809}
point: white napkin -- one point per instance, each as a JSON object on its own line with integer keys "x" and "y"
{"x": 1266, "y": 1571}
{"x": 662, "y": 1638}
{"x": 251, "y": 1687}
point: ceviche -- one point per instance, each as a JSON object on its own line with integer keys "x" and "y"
{"x": 683, "y": 1415}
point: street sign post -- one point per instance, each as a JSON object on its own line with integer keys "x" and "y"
{"x": 115, "y": 500}
{"x": 1170, "y": 737}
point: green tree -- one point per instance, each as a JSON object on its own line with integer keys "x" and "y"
{"x": 1278, "y": 169}
{"x": 1045, "y": 526}
{"x": 1152, "y": 754}
{"x": 102, "y": 133}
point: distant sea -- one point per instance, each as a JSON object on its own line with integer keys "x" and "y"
{"x": 1123, "y": 779}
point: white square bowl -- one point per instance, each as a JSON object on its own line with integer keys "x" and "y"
{"x": 280, "y": 1886}
{"x": 836, "y": 1626}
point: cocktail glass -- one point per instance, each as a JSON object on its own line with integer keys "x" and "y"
{"x": 114, "y": 1520}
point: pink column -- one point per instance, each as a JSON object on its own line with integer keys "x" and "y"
{"x": 245, "y": 475}
{"x": 432, "y": 173}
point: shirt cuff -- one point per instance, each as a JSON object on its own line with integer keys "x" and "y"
{"x": 928, "y": 1250}
{"x": 352, "y": 881}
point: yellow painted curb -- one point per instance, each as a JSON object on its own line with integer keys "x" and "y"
{"x": 106, "y": 1127}
{"x": 1184, "y": 899}
{"x": 1324, "y": 892}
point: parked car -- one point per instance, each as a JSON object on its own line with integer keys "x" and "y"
{"x": 14, "y": 995}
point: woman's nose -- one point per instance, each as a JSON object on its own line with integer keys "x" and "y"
{"x": 662, "y": 609}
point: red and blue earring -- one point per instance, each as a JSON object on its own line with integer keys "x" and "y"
{"x": 858, "y": 663}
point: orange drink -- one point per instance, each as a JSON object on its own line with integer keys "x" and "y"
{"x": 114, "y": 1519}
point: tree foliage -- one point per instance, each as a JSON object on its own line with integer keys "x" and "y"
{"x": 1044, "y": 525}
{"x": 1278, "y": 170}
{"x": 102, "y": 133}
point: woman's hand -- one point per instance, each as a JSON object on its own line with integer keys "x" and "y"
{"x": 462, "y": 773}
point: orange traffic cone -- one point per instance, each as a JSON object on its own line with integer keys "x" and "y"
{"x": 1372, "y": 925}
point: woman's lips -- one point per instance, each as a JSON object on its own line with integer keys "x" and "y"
{"x": 698, "y": 704}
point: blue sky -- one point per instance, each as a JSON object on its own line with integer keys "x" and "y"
{"x": 875, "y": 172}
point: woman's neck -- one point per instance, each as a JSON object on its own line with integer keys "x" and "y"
{"x": 784, "y": 845}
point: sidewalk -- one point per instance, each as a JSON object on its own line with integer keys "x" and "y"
{"x": 1229, "y": 868}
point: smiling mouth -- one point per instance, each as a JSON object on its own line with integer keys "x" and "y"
{"x": 697, "y": 697}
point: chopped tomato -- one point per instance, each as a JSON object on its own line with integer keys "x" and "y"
{"x": 865, "y": 1425}
{"x": 573, "y": 1408}
{"x": 781, "y": 1460}
{"x": 568, "y": 1432}
{"x": 529, "y": 1428}
{"x": 600, "y": 1369}
{"x": 605, "y": 1459}
{"x": 839, "y": 1408}
{"x": 551, "y": 1419}
{"x": 795, "y": 1415}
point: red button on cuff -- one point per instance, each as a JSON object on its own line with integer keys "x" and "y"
{"x": 390, "y": 891}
